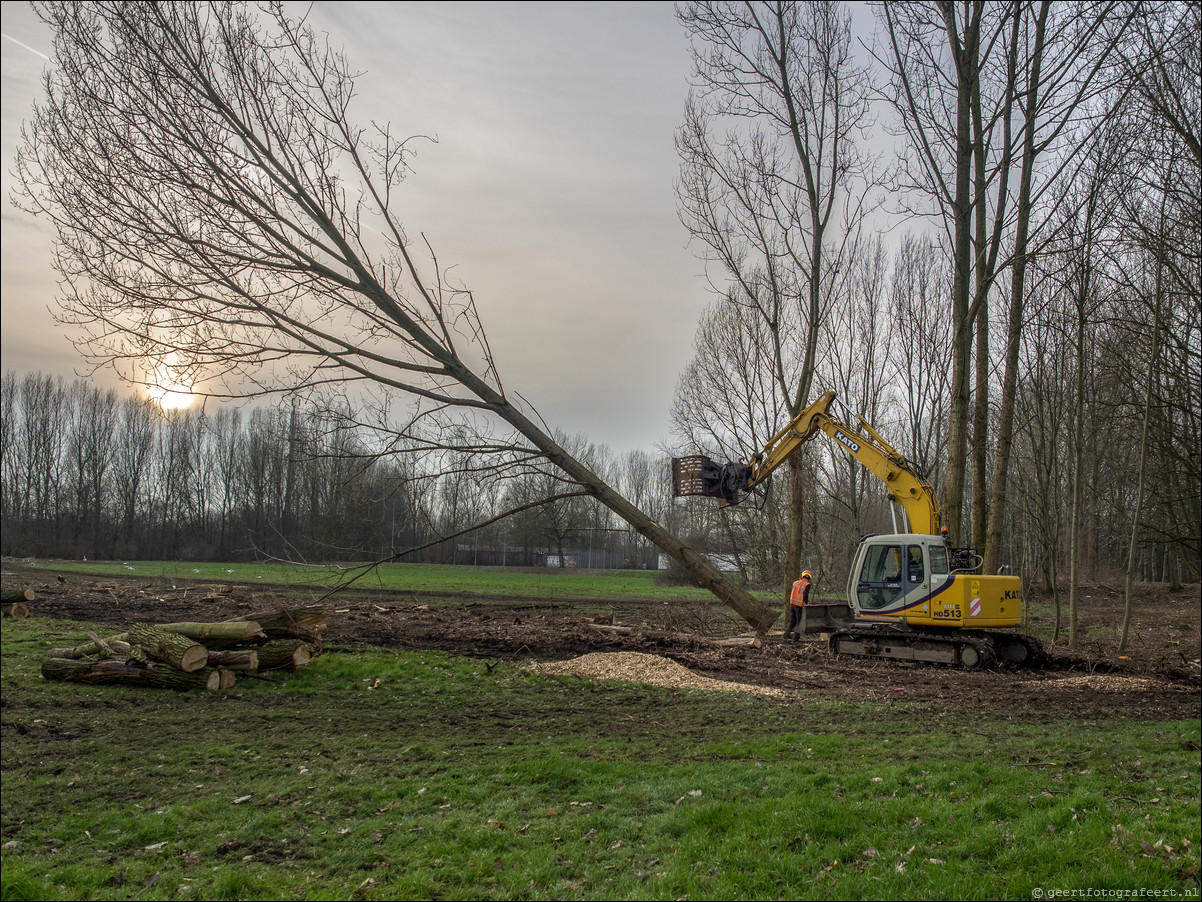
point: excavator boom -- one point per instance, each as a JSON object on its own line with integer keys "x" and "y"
{"x": 731, "y": 482}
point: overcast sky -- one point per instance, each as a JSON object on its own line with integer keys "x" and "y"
{"x": 550, "y": 189}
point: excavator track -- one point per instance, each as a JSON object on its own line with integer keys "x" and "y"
{"x": 1018, "y": 650}
{"x": 966, "y": 650}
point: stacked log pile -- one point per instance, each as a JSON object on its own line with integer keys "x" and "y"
{"x": 15, "y": 603}
{"x": 194, "y": 655}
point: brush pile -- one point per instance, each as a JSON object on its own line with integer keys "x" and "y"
{"x": 194, "y": 655}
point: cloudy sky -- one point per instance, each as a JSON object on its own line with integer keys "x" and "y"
{"x": 550, "y": 188}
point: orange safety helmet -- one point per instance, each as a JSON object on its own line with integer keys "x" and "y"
{"x": 806, "y": 574}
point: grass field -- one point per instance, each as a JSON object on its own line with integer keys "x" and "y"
{"x": 418, "y": 775}
{"x": 447, "y": 579}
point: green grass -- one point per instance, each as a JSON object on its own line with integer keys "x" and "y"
{"x": 439, "y": 579}
{"x": 450, "y": 780}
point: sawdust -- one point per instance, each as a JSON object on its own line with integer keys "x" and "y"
{"x": 636, "y": 667}
{"x": 1106, "y": 683}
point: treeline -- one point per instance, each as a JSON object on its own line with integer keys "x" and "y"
{"x": 90, "y": 473}
{"x": 1076, "y": 452}
{"x": 1028, "y": 333}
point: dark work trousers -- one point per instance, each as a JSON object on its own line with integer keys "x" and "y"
{"x": 794, "y": 620}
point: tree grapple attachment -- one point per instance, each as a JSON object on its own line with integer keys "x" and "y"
{"x": 699, "y": 475}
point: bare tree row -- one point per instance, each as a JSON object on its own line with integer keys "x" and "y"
{"x": 87, "y": 473}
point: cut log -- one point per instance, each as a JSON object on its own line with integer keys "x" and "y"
{"x": 217, "y": 635}
{"x": 610, "y": 628}
{"x": 14, "y": 609}
{"x": 90, "y": 649}
{"x": 745, "y": 641}
{"x": 14, "y": 596}
{"x": 213, "y": 636}
{"x": 168, "y": 647}
{"x": 307, "y": 624}
{"x": 225, "y": 678}
{"x": 121, "y": 670}
{"x": 286, "y": 654}
{"x": 235, "y": 659}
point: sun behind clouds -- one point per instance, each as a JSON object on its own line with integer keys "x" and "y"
{"x": 170, "y": 393}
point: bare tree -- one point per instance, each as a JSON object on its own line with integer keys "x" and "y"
{"x": 920, "y": 351}
{"x": 1150, "y": 379}
{"x": 853, "y": 363}
{"x": 1087, "y": 215}
{"x": 776, "y": 197}
{"x": 937, "y": 52}
{"x": 727, "y": 406}
{"x": 92, "y": 440}
{"x": 221, "y": 218}
{"x": 1165, "y": 67}
{"x": 1065, "y": 65}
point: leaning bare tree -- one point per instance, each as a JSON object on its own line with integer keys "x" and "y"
{"x": 220, "y": 217}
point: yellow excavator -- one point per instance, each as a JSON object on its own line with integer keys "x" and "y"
{"x": 911, "y": 595}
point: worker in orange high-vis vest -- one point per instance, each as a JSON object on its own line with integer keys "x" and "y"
{"x": 798, "y": 600}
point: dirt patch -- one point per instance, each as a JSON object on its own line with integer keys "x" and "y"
{"x": 1158, "y": 679}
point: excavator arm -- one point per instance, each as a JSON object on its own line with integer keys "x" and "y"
{"x": 730, "y": 482}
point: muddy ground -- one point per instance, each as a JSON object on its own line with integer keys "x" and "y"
{"x": 1159, "y": 679}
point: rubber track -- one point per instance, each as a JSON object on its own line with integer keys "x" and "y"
{"x": 955, "y": 644}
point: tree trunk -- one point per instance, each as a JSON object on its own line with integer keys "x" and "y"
{"x": 90, "y": 649}
{"x": 1129, "y": 582}
{"x": 1074, "y": 540}
{"x": 1005, "y": 433}
{"x": 980, "y": 426}
{"x": 15, "y": 596}
{"x": 306, "y": 623}
{"x": 751, "y": 609}
{"x": 965, "y": 56}
{"x": 793, "y": 545}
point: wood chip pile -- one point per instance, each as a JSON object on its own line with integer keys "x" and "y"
{"x": 1106, "y": 683}
{"x": 636, "y": 667}
{"x": 194, "y": 655}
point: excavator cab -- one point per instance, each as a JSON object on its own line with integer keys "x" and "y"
{"x": 912, "y": 579}
{"x": 896, "y": 573}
